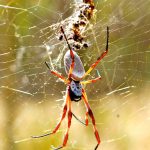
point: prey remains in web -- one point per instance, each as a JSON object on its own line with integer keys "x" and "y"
{"x": 75, "y": 91}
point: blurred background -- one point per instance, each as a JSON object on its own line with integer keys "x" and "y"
{"x": 31, "y": 98}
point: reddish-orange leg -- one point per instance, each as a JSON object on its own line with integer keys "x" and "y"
{"x": 67, "y": 102}
{"x": 90, "y": 113}
{"x": 56, "y": 73}
{"x": 91, "y": 81}
{"x": 62, "y": 117}
{"x": 101, "y": 56}
{"x": 69, "y": 124}
{"x": 64, "y": 113}
{"x": 71, "y": 54}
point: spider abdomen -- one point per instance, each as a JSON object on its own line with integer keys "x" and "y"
{"x": 78, "y": 70}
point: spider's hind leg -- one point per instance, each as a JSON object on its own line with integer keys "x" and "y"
{"x": 90, "y": 113}
{"x": 69, "y": 124}
{"x": 59, "y": 123}
{"x": 79, "y": 119}
{"x": 64, "y": 113}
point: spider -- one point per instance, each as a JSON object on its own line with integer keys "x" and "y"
{"x": 75, "y": 91}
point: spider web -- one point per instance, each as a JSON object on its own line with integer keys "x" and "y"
{"x": 31, "y": 98}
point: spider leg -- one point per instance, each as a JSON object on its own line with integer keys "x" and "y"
{"x": 40, "y": 136}
{"x": 69, "y": 124}
{"x": 90, "y": 113}
{"x": 63, "y": 115}
{"x": 71, "y": 70}
{"x": 91, "y": 81}
{"x": 78, "y": 119}
{"x": 72, "y": 64}
{"x": 59, "y": 123}
{"x": 56, "y": 73}
{"x": 71, "y": 54}
{"x": 59, "y": 76}
{"x": 101, "y": 56}
{"x": 86, "y": 119}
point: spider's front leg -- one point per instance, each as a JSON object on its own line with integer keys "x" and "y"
{"x": 69, "y": 124}
{"x": 90, "y": 113}
{"x": 100, "y": 57}
{"x": 71, "y": 54}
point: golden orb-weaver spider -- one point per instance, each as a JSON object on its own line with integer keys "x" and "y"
{"x": 75, "y": 92}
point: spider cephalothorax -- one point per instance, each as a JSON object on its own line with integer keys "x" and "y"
{"x": 75, "y": 91}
